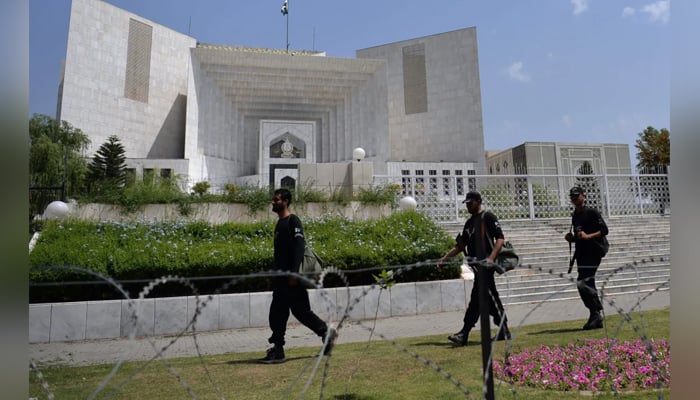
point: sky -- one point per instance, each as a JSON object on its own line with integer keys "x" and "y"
{"x": 583, "y": 71}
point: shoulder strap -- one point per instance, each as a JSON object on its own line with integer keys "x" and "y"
{"x": 485, "y": 234}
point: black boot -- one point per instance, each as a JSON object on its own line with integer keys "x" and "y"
{"x": 460, "y": 338}
{"x": 595, "y": 321}
{"x": 275, "y": 355}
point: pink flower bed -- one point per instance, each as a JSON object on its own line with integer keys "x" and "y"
{"x": 595, "y": 365}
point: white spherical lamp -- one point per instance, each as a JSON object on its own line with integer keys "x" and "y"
{"x": 56, "y": 210}
{"x": 358, "y": 154}
{"x": 407, "y": 203}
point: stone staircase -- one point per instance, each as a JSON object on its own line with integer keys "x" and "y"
{"x": 638, "y": 260}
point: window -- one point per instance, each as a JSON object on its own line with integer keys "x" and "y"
{"x": 420, "y": 185}
{"x": 432, "y": 172}
{"x": 460, "y": 186}
{"x": 405, "y": 185}
{"x": 165, "y": 173}
{"x": 130, "y": 175}
{"x": 405, "y": 172}
{"x": 419, "y": 172}
{"x": 432, "y": 182}
{"x": 148, "y": 174}
{"x": 445, "y": 172}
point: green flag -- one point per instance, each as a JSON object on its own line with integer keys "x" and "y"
{"x": 285, "y": 9}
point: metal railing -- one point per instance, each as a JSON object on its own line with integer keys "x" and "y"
{"x": 40, "y": 197}
{"x": 514, "y": 197}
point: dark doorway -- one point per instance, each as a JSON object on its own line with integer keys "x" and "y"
{"x": 287, "y": 181}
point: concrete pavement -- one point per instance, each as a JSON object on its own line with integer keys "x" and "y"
{"x": 110, "y": 351}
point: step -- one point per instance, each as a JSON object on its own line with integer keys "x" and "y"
{"x": 542, "y": 278}
{"x": 615, "y": 249}
{"x": 567, "y": 292}
{"x": 569, "y": 295}
{"x": 517, "y": 287}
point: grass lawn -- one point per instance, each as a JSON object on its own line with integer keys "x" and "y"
{"x": 357, "y": 371}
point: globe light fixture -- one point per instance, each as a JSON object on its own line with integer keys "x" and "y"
{"x": 407, "y": 203}
{"x": 358, "y": 154}
{"x": 56, "y": 210}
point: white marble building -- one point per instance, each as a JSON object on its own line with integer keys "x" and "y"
{"x": 225, "y": 114}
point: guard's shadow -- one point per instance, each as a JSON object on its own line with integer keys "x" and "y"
{"x": 557, "y": 331}
{"x": 446, "y": 344}
{"x": 257, "y": 360}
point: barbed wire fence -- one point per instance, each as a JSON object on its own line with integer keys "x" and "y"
{"x": 311, "y": 370}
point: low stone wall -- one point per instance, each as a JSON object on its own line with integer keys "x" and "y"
{"x": 50, "y": 322}
{"x": 58, "y": 322}
{"x": 217, "y": 213}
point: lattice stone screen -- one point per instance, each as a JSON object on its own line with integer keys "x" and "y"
{"x": 534, "y": 196}
{"x": 138, "y": 61}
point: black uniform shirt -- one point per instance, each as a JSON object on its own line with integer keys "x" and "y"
{"x": 588, "y": 220}
{"x": 471, "y": 235}
{"x": 289, "y": 244}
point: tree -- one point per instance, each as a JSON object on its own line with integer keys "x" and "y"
{"x": 654, "y": 157}
{"x": 108, "y": 167}
{"x": 653, "y": 150}
{"x": 54, "y": 144}
{"x": 56, "y": 160}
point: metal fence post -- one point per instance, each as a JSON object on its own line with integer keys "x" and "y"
{"x": 606, "y": 194}
{"x": 530, "y": 197}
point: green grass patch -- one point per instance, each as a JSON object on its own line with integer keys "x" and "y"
{"x": 378, "y": 370}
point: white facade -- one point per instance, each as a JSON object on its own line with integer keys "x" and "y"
{"x": 214, "y": 112}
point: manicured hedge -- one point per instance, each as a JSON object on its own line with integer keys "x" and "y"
{"x": 146, "y": 251}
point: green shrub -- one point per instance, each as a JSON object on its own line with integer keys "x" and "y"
{"x": 257, "y": 199}
{"x": 137, "y": 194}
{"x": 201, "y": 188}
{"x": 154, "y": 189}
{"x": 230, "y": 189}
{"x": 379, "y": 194}
{"x": 307, "y": 194}
{"x": 146, "y": 251}
{"x": 340, "y": 196}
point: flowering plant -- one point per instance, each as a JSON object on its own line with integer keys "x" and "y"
{"x": 590, "y": 364}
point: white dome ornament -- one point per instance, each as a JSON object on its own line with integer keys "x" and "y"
{"x": 358, "y": 154}
{"x": 56, "y": 210}
{"x": 408, "y": 203}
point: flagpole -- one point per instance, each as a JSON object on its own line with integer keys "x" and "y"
{"x": 287, "y": 15}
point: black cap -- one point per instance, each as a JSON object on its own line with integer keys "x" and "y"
{"x": 473, "y": 195}
{"x": 575, "y": 191}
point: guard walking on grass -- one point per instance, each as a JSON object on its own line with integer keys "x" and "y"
{"x": 588, "y": 231}
{"x": 481, "y": 239}
{"x": 287, "y": 292}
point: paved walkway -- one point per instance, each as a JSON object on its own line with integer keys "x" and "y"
{"x": 110, "y": 351}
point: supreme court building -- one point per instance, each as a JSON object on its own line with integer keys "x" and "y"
{"x": 234, "y": 114}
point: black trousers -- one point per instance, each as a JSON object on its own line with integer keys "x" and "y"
{"x": 587, "y": 265}
{"x": 296, "y": 299}
{"x": 496, "y": 309}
